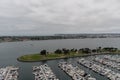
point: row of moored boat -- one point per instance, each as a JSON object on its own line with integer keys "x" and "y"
{"x": 75, "y": 72}
{"x": 96, "y": 63}
{"x": 115, "y": 58}
{"x": 106, "y": 61}
{"x": 99, "y": 68}
{"x": 43, "y": 72}
{"x": 9, "y": 73}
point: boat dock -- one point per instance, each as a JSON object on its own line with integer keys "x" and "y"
{"x": 43, "y": 72}
{"x": 99, "y": 68}
{"x": 9, "y": 73}
{"x": 75, "y": 72}
{"x": 108, "y": 62}
{"x": 114, "y": 58}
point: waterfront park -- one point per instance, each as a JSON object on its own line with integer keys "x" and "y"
{"x": 66, "y": 53}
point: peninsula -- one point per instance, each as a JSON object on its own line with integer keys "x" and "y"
{"x": 65, "y": 53}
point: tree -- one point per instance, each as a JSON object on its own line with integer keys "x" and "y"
{"x": 99, "y": 48}
{"x": 94, "y": 50}
{"x": 110, "y": 49}
{"x": 73, "y": 50}
{"x": 58, "y": 51}
{"x": 76, "y": 50}
{"x": 86, "y": 50}
{"x": 65, "y": 51}
{"x": 43, "y": 52}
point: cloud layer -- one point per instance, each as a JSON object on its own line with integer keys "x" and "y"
{"x": 44, "y": 17}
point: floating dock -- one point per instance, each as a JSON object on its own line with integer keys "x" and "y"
{"x": 43, "y": 72}
{"x": 99, "y": 68}
{"x": 75, "y": 72}
{"x": 9, "y": 73}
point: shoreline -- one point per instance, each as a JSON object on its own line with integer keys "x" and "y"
{"x": 58, "y": 39}
{"x": 56, "y": 58}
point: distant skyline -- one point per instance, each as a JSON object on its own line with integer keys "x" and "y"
{"x": 49, "y": 17}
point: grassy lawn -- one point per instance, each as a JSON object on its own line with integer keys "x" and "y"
{"x": 38, "y": 57}
{"x": 31, "y": 57}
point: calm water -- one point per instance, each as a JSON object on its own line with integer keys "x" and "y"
{"x": 9, "y": 51}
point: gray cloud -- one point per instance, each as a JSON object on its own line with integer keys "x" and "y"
{"x": 31, "y": 17}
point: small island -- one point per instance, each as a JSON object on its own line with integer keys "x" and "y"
{"x": 65, "y": 53}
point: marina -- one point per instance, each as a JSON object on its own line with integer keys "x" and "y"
{"x": 75, "y": 72}
{"x": 59, "y": 39}
{"x": 100, "y": 69}
{"x": 43, "y": 72}
{"x": 9, "y": 51}
{"x": 9, "y": 73}
{"x": 107, "y": 61}
{"x": 114, "y": 58}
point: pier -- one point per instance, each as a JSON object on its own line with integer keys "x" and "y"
{"x": 43, "y": 72}
{"x": 9, "y": 73}
{"x": 107, "y": 61}
{"x": 100, "y": 69}
{"x": 75, "y": 72}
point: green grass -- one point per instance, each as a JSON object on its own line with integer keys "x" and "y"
{"x": 31, "y": 57}
{"x": 38, "y": 57}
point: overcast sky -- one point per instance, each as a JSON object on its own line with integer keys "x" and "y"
{"x": 46, "y": 17}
